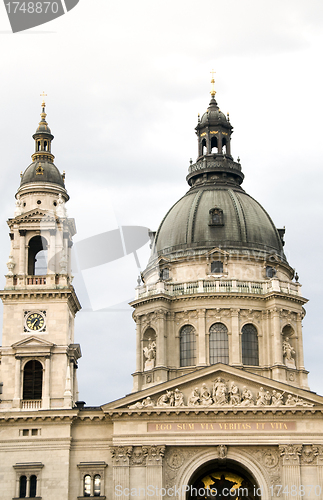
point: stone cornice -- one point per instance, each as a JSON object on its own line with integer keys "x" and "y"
{"x": 279, "y": 411}
{"x": 62, "y": 293}
{"x": 220, "y": 295}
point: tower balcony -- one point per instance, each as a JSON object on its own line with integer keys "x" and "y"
{"x": 218, "y": 286}
{"x": 37, "y": 281}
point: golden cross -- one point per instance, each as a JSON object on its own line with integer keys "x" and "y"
{"x": 43, "y": 95}
{"x": 212, "y": 81}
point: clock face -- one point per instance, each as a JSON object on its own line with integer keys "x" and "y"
{"x": 35, "y": 321}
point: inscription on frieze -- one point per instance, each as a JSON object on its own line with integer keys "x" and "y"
{"x": 222, "y": 426}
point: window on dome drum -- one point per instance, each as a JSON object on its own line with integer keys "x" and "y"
{"x": 37, "y": 256}
{"x": 187, "y": 346}
{"x": 249, "y": 339}
{"x": 45, "y": 146}
{"x": 219, "y": 344}
{"x": 38, "y": 146}
{"x": 216, "y": 267}
{"x": 164, "y": 274}
{"x": 270, "y": 272}
{"x": 33, "y": 380}
{"x": 216, "y": 217}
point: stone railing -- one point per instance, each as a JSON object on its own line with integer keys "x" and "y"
{"x": 218, "y": 286}
{"x": 31, "y": 404}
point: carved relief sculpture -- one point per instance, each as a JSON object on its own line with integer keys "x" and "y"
{"x": 288, "y": 352}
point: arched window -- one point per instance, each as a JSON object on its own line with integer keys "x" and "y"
{"x": 214, "y": 145}
{"x": 22, "y": 486}
{"x": 87, "y": 485}
{"x": 38, "y": 146}
{"x": 45, "y": 146}
{"x": 97, "y": 485}
{"x": 37, "y": 256}
{"x": 224, "y": 145}
{"x": 187, "y": 346}
{"x": 204, "y": 151}
{"x": 33, "y": 486}
{"x": 219, "y": 345}
{"x": 250, "y": 354}
{"x": 33, "y": 380}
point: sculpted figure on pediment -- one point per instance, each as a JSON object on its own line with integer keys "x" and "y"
{"x": 247, "y": 397}
{"x": 205, "y": 397}
{"x": 178, "y": 397}
{"x": 277, "y": 398}
{"x": 145, "y": 403}
{"x": 220, "y": 392}
{"x": 261, "y": 397}
{"x": 296, "y": 401}
{"x": 167, "y": 399}
{"x": 234, "y": 393}
{"x": 194, "y": 399}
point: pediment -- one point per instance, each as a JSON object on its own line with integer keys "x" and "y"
{"x": 35, "y": 215}
{"x": 218, "y": 387}
{"x": 218, "y": 251}
{"x": 32, "y": 343}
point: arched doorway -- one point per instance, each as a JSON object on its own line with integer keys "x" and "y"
{"x": 223, "y": 480}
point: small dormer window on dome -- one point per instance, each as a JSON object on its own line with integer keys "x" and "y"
{"x": 216, "y": 217}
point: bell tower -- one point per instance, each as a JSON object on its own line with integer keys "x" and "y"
{"x": 39, "y": 357}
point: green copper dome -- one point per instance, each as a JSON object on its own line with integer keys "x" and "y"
{"x": 42, "y": 172}
{"x": 243, "y": 224}
{"x": 216, "y": 212}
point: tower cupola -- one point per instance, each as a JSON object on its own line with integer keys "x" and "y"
{"x": 42, "y": 171}
{"x": 214, "y": 132}
{"x": 43, "y": 139}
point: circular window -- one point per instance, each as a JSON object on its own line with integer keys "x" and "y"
{"x": 55, "y": 203}
{"x": 24, "y": 204}
{"x": 38, "y": 202}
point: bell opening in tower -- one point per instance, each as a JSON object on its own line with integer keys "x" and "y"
{"x": 37, "y": 256}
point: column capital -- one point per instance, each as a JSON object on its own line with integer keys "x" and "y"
{"x": 290, "y": 453}
{"x": 155, "y": 454}
{"x": 121, "y": 455}
{"x": 22, "y": 232}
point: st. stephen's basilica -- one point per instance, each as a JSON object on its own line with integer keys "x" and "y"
{"x": 221, "y": 406}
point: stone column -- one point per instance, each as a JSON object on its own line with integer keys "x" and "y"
{"x": 201, "y": 351}
{"x": 46, "y": 395}
{"x": 154, "y": 468}
{"x": 52, "y": 251}
{"x": 139, "y": 347}
{"x": 22, "y": 252}
{"x": 291, "y": 467}
{"x": 299, "y": 346}
{"x": 17, "y": 391}
{"x": 235, "y": 351}
{"x": 121, "y": 470}
{"x": 161, "y": 333}
{"x": 277, "y": 337}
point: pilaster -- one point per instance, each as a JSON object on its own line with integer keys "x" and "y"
{"x": 290, "y": 454}
{"x": 121, "y": 470}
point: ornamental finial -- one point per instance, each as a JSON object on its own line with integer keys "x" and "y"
{"x": 43, "y": 95}
{"x": 212, "y": 81}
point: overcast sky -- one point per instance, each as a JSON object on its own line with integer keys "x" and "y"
{"x": 125, "y": 82}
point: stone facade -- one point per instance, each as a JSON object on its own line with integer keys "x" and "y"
{"x": 228, "y": 409}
